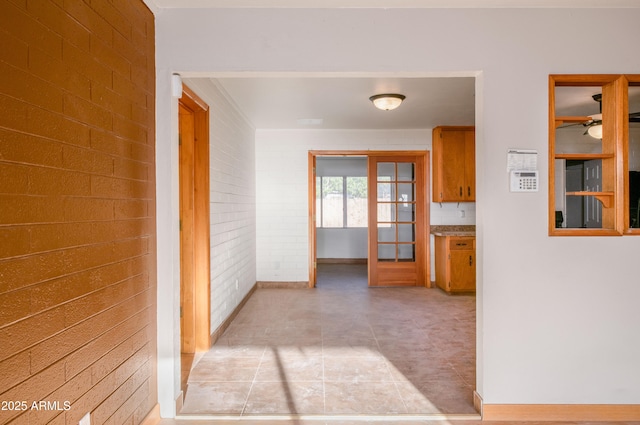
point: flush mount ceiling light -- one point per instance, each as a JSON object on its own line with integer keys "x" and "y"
{"x": 388, "y": 101}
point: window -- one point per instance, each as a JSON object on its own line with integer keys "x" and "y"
{"x": 593, "y": 137}
{"x": 341, "y": 201}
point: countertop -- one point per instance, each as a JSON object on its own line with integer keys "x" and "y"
{"x": 455, "y": 230}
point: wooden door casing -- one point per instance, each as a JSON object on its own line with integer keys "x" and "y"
{"x": 187, "y": 254}
{"x": 195, "y": 292}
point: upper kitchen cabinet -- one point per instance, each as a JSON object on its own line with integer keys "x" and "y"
{"x": 454, "y": 164}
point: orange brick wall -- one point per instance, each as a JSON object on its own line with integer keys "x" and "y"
{"x": 77, "y": 218}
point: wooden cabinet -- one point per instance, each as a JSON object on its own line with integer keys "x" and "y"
{"x": 454, "y": 164}
{"x": 455, "y": 263}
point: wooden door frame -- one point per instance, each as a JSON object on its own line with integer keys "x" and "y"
{"x": 197, "y": 311}
{"x": 312, "y": 155}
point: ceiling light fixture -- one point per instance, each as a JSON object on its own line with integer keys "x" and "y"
{"x": 595, "y": 127}
{"x": 388, "y": 101}
{"x": 595, "y": 131}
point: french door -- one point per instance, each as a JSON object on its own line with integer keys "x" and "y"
{"x": 397, "y": 220}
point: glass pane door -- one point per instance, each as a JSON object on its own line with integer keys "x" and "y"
{"x": 396, "y": 207}
{"x": 398, "y": 220}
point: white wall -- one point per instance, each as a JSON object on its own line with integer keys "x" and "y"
{"x": 556, "y": 315}
{"x": 233, "y": 205}
{"x": 342, "y": 243}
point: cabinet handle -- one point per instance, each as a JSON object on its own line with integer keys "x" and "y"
{"x": 469, "y": 191}
{"x": 461, "y": 244}
{"x": 471, "y": 260}
{"x": 460, "y": 191}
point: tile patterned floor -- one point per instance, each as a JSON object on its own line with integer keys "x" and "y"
{"x": 341, "y": 349}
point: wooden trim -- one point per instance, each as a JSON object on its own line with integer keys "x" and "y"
{"x": 575, "y": 120}
{"x": 366, "y": 153}
{"x": 202, "y": 226}
{"x": 579, "y": 80}
{"x": 614, "y": 153}
{"x": 338, "y": 153}
{"x": 215, "y": 335}
{"x": 194, "y": 101}
{"x": 427, "y": 215}
{"x": 604, "y": 197}
{"x": 584, "y": 156}
{"x": 153, "y": 417}
{"x": 633, "y": 80}
{"x": 551, "y": 195}
{"x": 477, "y": 402}
{"x": 457, "y": 127}
{"x": 187, "y": 232}
{"x": 342, "y": 260}
{"x": 580, "y": 232}
{"x": 311, "y": 179}
{"x": 195, "y": 179}
{"x": 620, "y": 168}
{"x": 561, "y": 412}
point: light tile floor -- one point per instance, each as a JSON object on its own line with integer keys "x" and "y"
{"x": 341, "y": 349}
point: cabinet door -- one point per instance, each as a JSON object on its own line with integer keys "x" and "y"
{"x": 454, "y": 164}
{"x": 469, "y": 187}
{"x": 453, "y": 158}
{"x": 463, "y": 271}
{"x": 462, "y": 264}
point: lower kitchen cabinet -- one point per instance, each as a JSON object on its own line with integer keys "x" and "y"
{"x": 455, "y": 263}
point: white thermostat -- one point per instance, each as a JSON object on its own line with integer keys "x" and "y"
{"x": 524, "y": 181}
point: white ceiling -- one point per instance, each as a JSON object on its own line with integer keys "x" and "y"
{"x": 343, "y": 103}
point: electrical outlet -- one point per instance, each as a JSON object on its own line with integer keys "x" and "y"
{"x": 86, "y": 419}
{"x": 237, "y": 286}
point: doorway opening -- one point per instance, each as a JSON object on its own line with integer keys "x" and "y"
{"x": 370, "y": 208}
{"x": 341, "y": 220}
{"x": 301, "y": 238}
{"x": 193, "y": 124}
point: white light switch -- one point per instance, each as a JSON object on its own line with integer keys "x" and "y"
{"x": 86, "y": 419}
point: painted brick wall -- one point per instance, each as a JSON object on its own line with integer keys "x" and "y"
{"x": 282, "y": 191}
{"x": 77, "y": 214}
{"x": 233, "y": 205}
